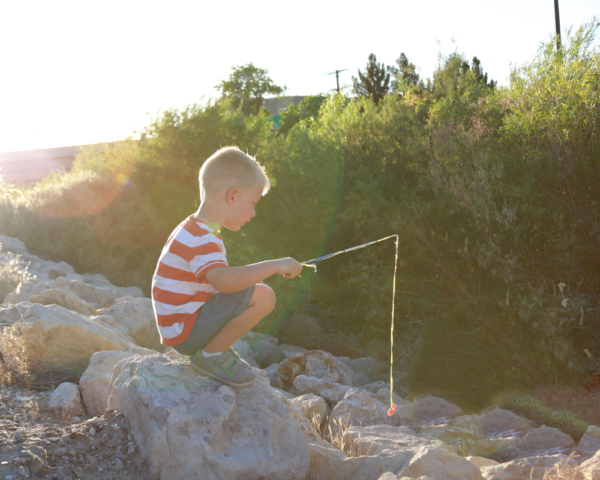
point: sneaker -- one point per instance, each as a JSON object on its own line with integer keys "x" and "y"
{"x": 226, "y": 368}
{"x": 243, "y": 362}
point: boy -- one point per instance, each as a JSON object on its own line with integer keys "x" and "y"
{"x": 202, "y": 306}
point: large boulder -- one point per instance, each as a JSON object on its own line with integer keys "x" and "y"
{"x": 439, "y": 463}
{"x": 65, "y": 400}
{"x": 315, "y": 363}
{"x": 590, "y": 442}
{"x": 429, "y": 408}
{"x": 64, "y": 298}
{"x": 135, "y": 317}
{"x": 530, "y": 468}
{"x": 591, "y": 467}
{"x": 499, "y": 421}
{"x": 95, "y": 381}
{"x": 189, "y": 426}
{"x": 65, "y": 339}
{"x": 313, "y": 407}
{"x": 544, "y": 439}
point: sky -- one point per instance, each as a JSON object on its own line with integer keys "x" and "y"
{"x": 75, "y": 73}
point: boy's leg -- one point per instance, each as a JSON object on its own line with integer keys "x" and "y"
{"x": 261, "y": 304}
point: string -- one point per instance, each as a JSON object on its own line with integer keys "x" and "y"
{"x": 310, "y": 264}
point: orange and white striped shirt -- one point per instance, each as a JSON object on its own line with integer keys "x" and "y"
{"x": 179, "y": 287}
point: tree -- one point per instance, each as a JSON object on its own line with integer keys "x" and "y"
{"x": 405, "y": 77}
{"x": 247, "y": 86}
{"x": 454, "y": 74}
{"x": 374, "y": 83}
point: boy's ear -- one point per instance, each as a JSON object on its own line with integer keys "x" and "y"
{"x": 231, "y": 194}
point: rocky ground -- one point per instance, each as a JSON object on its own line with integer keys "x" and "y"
{"x": 36, "y": 443}
{"x": 104, "y": 400}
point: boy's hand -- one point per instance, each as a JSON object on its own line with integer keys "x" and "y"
{"x": 288, "y": 267}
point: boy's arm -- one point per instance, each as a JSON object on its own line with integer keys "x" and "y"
{"x": 234, "y": 279}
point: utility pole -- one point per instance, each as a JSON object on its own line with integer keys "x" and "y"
{"x": 557, "y": 22}
{"x": 337, "y": 74}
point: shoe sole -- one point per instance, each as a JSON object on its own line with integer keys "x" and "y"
{"x": 208, "y": 374}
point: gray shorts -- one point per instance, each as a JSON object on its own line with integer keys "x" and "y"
{"x": 212, "y": 316}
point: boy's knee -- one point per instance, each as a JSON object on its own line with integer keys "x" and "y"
{"x": 264, "y": 296}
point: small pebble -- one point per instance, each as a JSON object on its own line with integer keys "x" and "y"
{"x": 129, "y": 437}
{"x": 92, "y": 432}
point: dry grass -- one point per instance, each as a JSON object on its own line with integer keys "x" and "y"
{"x": 564, "y": 471}
{"x": 337, "y": 434}
{"x": 18, "y": 368}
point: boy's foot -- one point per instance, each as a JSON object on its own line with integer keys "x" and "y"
{"x": 240, "y": 359}
{"x": 226, "y": 368}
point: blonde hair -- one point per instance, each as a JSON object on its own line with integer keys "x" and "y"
{"x": 230, "y": 167}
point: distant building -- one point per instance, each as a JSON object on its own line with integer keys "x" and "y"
{"x": 279, "y": 104}
{"x": 29, "y": 166}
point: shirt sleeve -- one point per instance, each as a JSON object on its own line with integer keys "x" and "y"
{"x": 206, "y": 257}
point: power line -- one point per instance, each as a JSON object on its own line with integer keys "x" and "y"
{"x": 337, "y": 74}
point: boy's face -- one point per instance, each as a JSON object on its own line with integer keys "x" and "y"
{"x": 242, "y": 203}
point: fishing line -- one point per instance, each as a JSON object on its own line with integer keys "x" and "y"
{"x": 310, "y": 263}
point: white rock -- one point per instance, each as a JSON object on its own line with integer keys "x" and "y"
{"x": 66, "y": 400}
{"x": 530, "y": 468}
{"x": 11, "y": 244}
{"x": 99, "y": 295}
{"x": 499, "y": 421}
{"x": 67, "y": 339}
{"x": 429, "y": 408}
{"x": 590, "y": 442}
{"x": 188, "y": 426}
{"x": 64, "y": 298}
{"x": 482, "y": 461}
{"x": 96, "y": 379}
{"x": 376, "y": 450}
{"x": 26, "y": 290}
{"x": 545, "y": 438}
{"x": 592, "y": 465}
{"x": 332, "y": 392}
{"x": 288, "y": 349}
{"x": 312, "y": 407}
{"x": 437, "y": 462}
{"x": 136, "y": 318}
